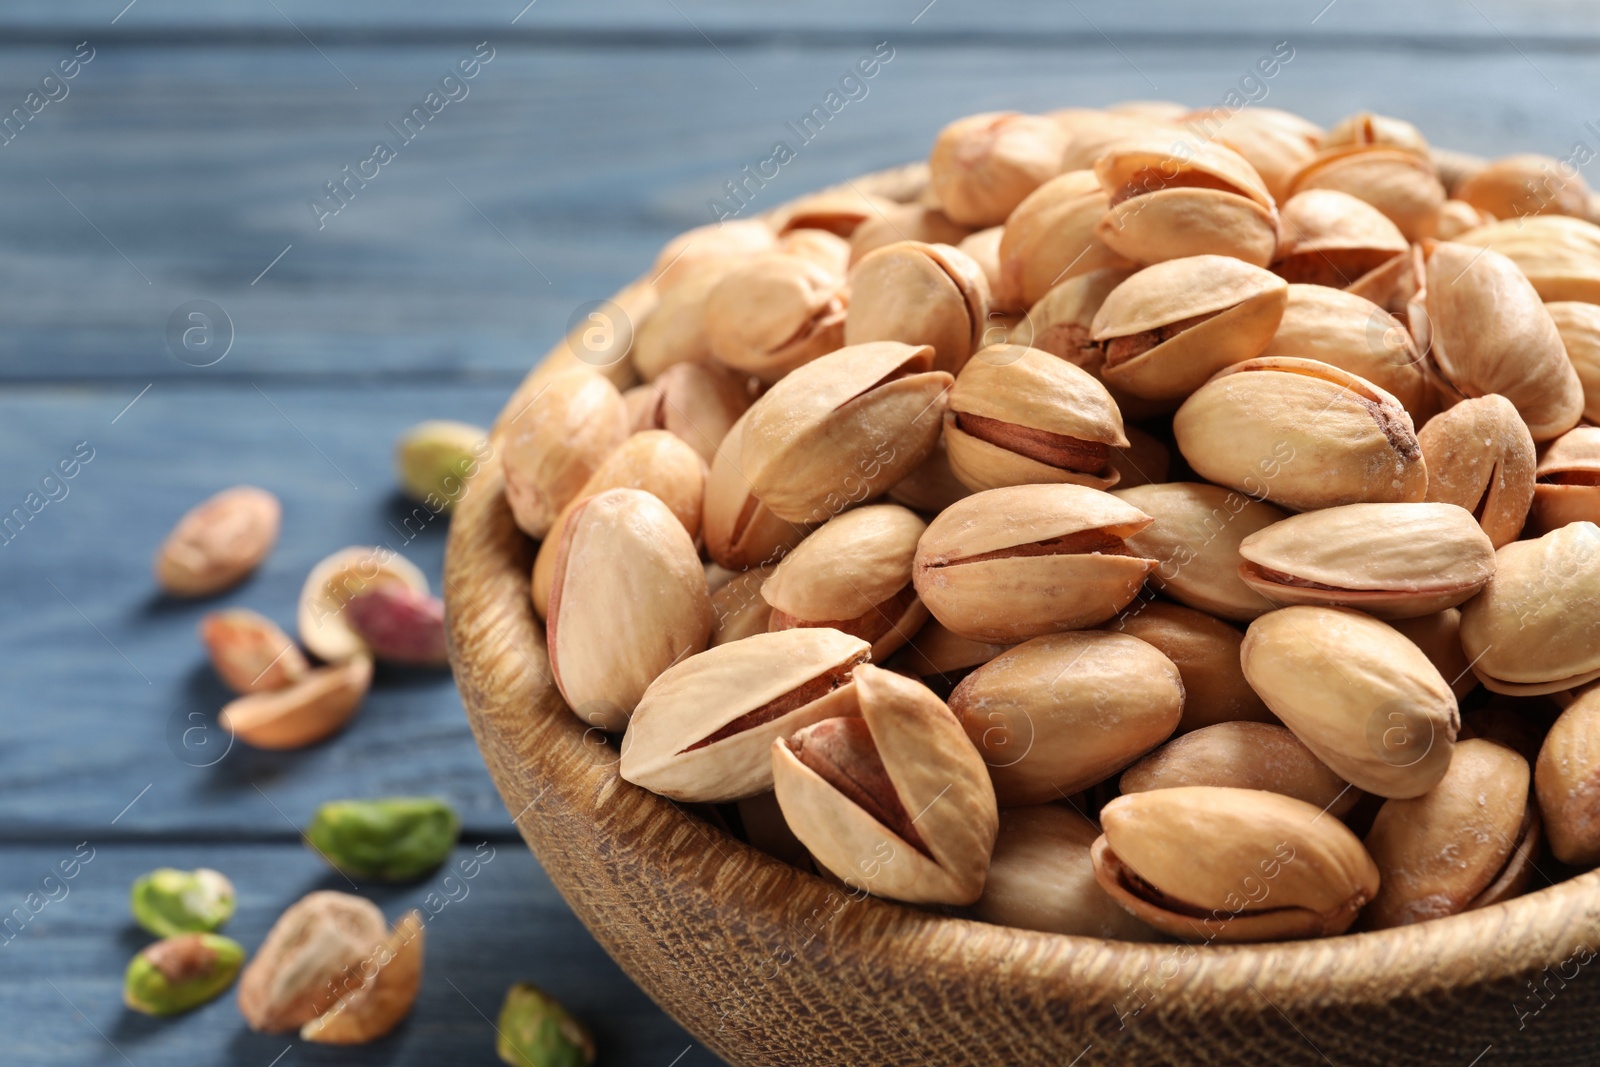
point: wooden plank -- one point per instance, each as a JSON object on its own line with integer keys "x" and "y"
{"x": 102, "y": 675}
{"x": 193, "y": 168}
{"x": 62, "y": 979}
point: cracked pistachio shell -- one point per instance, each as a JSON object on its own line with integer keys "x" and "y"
{"x": 1063, "y": 712}
{"x": 1365, "y": 129}
{"x": 1210, "y": 863}
{"x": 1535, "y": 628}
{"x": 839, "y": 211}
{"x": 1335, "y": 239}
{"x": 1401, "y": 184}
{"x": 1009, "y": 564}
{"x": 1360, "y": 695}
{"x": 639, "y": 603}
{"x": 374, "y": 1003}
{"x": 824, "y": 248}
{"x": 1515, "y": 187}
{"x": 1206, "y": 652}
{"x": 551, "y": 447}
{"x": 931, "y": 486}
{"x": 1354, "y": 334}
{"x": 1171, "y": 326}
{"x": 658, "y": 462}
{"x": 1559, "y": 255}
{"x": 168, "y": 901}
{"x": 1567, "y": 781}
{"x": 1481, "y": 457}
{"x": 1301, "y": 434}
{"x": 1579, "y": 326}
{"x": 843, "y": 429}
{"x": 1019, "y": 416}
{"x": 920, "y": 294}
{"x": 898, "y": 801}
{"x": 304, "y": 712}
{"x": 1480, "y": 307}
{"x": 740, "y": 530}
{"x": 395, "y": 839}
{"x": 181, "y": 972}
{"x": 1142, "y": 166}
{"x": 1173, "y": 223}
{"x": 334, "y": 582}
{"x": 294, "y": 976}
{"x": 1438, "y": 853}
{"x": 1051, "y": 237}
{"x": 853, "y": 575}
{"x": 1194, "y": 538}
{"x": 249, "y": 651}
{"x": 535, "y": 1030}
{"x": 703, "y": 729}
{"x": 1394, "y": 561}
{"x": 676, "y": 331}
{"x": 1276, "y": 143}
{"x": 1439, "y": 637}
{"x": 906, "y": 222}
{"x": 738, "y": 609}
{"x": 218, "y": 542}
{"x": 1041, "y": 878}
{"x": 983, "y": 166}
{"x": 1568, "y": 490}
{"x": 1061, "y": 323}
{"x": 775, "y": 313}
{"x": 1242, "y": 755}
{"x": 684, "y": 255}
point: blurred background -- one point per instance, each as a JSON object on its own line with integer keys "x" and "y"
{"x": 200, "y": 160}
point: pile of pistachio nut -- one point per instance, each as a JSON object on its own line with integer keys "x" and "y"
{"x": 1137, "y": 523}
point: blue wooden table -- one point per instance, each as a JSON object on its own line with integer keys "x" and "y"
{"x": 188, "y": 158}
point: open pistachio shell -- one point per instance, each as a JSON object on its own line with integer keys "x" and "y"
{"x": 741, "y": 531}
{"x": 1481, "y": 457}
{"x": 1062, "y": 324}
{"x": 1568, "y": 489}
{"x": 1052, "y": 236}
{"x": 334, "y": 582}
{"x": 1559, "y": 255}
{"x": 1276, "y": 143}
{"x": 920, "y": 294}
{"x": 1243, "y": 755}
{"x": 1333, "y": 239}
{"x": 1144, "y": 165}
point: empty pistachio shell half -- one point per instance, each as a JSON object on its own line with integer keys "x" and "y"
{"x": 1515, "y": 187}
{"x": 853, "y": 575}
{"x": 1389, "y": 560}
{"x": 741, "y": 531}
{"x": 551, "y": 446}
{"x": 1019, "y": 416}
{"x": 1569, "y": 480}
{"x": 1480, "y": 457}
{"x": 1171, "y": 326}
{"x": 168, "y": 901}
{"x": 1362, "y": 697}
{"x": 249, "y": 652}
{"x": 1206, "y": 652}
{"x": 1050, "y": 237}
{"x": 1210, "y": 863}
{"x": 1334, "y": 239}
{"x": 1535, "y": 628}
{"x": 1014, "y": 563}
{"x": 181, "y": 972}
{"x": 1301, "y": 434}
{"x": 775, "y": 313}
{"x": 1567, "y": 780}
{"x": 1243, "y": 755}
{"x": 920, "y": 294}
{"x": 1559, "y": 255}
{"x": 982, "y": 166}
{"x": 1579, "y": 326}
{"x": 296, "y": 974}
{"x": 1439, "y": 852}
{"x": 312, "y": 709}
{"x": 843, "y": 429}
{"x": 380, "y": 994}
{"x": 1354, "y": 334}
{"x": 703, "y": 729}
{"x": 1062, "y": 712}
{"x": 896, "y": 801}
{"x": 1041, "y": 878}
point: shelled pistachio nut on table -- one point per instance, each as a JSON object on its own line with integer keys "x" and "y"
{"x": 1134, "y": 523}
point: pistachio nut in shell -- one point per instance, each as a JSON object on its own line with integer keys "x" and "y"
{"x": 1351, "y": 332}
{"x": 550, "y": 448}
{"x": 1439, "y": 637}
{"x": 393, "y": 839}
{"x": 374, "y": 1004}
{"x": 534, "y": 1030}
{"x": 920, "y": 294}
{"x": 698, "y": 403}
{"x": 906, "y": 222}
{"x": 250, "y": 652}
{"x": 1051, "y": 237}
{"x": 168, "y": 901}
{"x": 1437, "y": 853}
{"x": 434, "y": 460}
{"x": 702, "y": 731}
{"x": 1211, "y": 863}
{"x": 1334, "y": 239}
{"x": 1535, "y": 628}
{"x": 823, "y": 247}
{"x": 738, "y": 609}
{"x": 1480, "y": 456}
{"x": 1559, "y": 255}
{"x": 1041, "y": 878}
{"x": 1401, "y": 184}
{"x": 218, "y": 542}
{"x": 1061, "y": 323}
{"x": 1062, "y": 712}
{"x": 1457, "y": 217}
{"x": 1090, "y": 132}
{"x": 775, "y": 313}
{"x": 1173, "y": 223}
{"x": 1144, "y": 165}
{"x": 729, "y": 239}
{"x": 1390, "y": 560}
{"x": 1566, "y": 779}
{"x": 740, "y": 531}
{"x": 982, "y": 166}
{"x": 839, "y": 210}
{"x": 1515, "y": 187}
{"x": 1195, "y": 538}
{"x": 1206, "y": 652}
{"x": 983, "y": 246}
{"x": 1019, "y": 416}
{"x": 1242, "y": 755}
{"x": 843, "y": 429}
{"x": 1363, "y": 698}
{"x": 1171, "y": 326}
{"x": 1480, "y": 306}
{"x": 853, "y": 575}
{"x": 1365, "y": 129}
{"x": 1276, "y": 143}
{"x": 1579, "y": 325}
{"x": 1301, "y": 434}
{"x": 310, "y": 710}
{"x": 334, "y": 582}
{"x": 294, "y": 976}
{"x": 676, "y": 331}
{"x": 1568, "y": 489}
{"x": 896, "y": 801}
{"x": 639, "y": 603}
{"x": 1009, "y": 564}
{"x": 181, "y": 972}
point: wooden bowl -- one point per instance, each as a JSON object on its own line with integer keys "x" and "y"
{"x": 769, "y": 965}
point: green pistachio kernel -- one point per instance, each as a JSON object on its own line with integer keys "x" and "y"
{"x": 395, "y": 839}
{"x": 168, "y": 901}
{"x": 435, "y": 460}
{"x": 536, "y": 1031}
{"x": 182, "y": 972}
